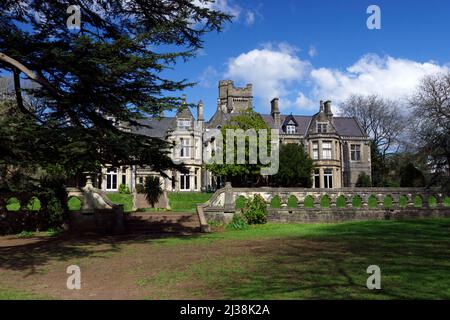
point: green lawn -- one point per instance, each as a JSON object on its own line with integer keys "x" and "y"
{"x": 125, "y": 199}
{"x": 272, "y": 261}
{"x": 187, "y": 201}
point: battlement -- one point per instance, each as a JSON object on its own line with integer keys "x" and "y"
{"x": 234, "y": 99}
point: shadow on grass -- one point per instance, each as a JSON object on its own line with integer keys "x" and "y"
{"x": 414, "y": 258}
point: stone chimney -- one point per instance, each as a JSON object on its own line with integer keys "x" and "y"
{"x": 200, "y": 111}
{"x": 275, "y": 112}
{"x": 321, "y": 106}
{"x": 327, "y": 109}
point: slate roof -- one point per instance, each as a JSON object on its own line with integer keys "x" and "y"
{"x": 345, "y": 126}
{"x": 157, "y": 128}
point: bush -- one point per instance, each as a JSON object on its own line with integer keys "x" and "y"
{"x": 124, "y": 189}
{"x": 255, "y": 210}
{"x": 153, "y": 190}
{"x": 363, "y": 180}
{"x": 238, "y": 222}
{"x": 140, "y": 188}
{"x": 25, "y": 234}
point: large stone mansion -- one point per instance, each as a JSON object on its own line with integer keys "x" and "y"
{"x": 338, "y": 146}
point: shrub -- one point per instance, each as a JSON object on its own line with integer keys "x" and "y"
{"x": 25, "y": 234}
{"x": 255, "y": 210}
{"x": 363, "y": 180}
{"x": 140, "y": 188}
{"x": 240, "y": 202}
{"x": 153, "y": 190}
{"x": 239, "y": 222}
{"x": 124, "y": 189}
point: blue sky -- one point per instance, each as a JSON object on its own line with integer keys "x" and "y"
{"x": 307, "y": 50}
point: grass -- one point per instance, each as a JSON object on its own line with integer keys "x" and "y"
{"x": 327, "y": 261}
{"x": 14, "y": 294}
{"x": 125, "y": 199}
{"x": 271, "y": 261}
{"x": 187, "y": 201}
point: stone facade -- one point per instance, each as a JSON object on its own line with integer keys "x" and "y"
{"x": 338, "y": 145}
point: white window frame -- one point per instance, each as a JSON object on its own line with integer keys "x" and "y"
{"x": 184, "y": 124}
{"x": 322, "y": 125}
{"x": 290, "y": 129}
{"x": 328, "y": 178}
{"x": 185, "y": 183}
{"x": 315, "y": 150}
{"x": 185, "y": 147}
{"x": 355, "y": 151}
{"x": 111, "y": 173}
{"x": 327, "y": 152}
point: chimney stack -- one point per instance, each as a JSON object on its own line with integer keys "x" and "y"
{"x": 328, "y": 108}
{"x": 200, "y": 111}
{"x": 275, "y": 112}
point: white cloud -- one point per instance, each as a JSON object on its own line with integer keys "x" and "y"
{"x": 249, "y": 18}
{"x": 312, "y": 52}
{"x": 278, "y": 71}
{"x": 271, "y": 70}
{"x": 229, "y": 7}
{"x": 389, "y": 77}
{"x": 208, "y": 77}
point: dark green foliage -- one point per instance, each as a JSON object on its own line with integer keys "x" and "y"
{"x": 410, "y": 176}
{"x": 140, "y": 188}
{"x": 255, "y": 210}
{"x": 153, "y": 190}
{"x": 295, "y": 167}
{"x": 113, "y": 66}
{"x": 240, "y": 202}
{"x": 239, "y": 222}
{"x": 363, "y": 180}
{"x": 241, "y": 174}
{"x": 124, "y": 189}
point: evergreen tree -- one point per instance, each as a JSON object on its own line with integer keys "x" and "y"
{"x": 295, "y": 167}
{"x": 113, "y": 65}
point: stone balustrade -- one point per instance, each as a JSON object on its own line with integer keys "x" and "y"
{"x": 322, "y": 205}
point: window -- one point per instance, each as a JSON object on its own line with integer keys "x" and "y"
{"x": 328, "y": 178}
{"x": 315, "y": 148}
{"x": 321, "y": 128}
{"x": 184, "y": 124}
{"x": 355, "y": 152}
{"x": 111, "y": 179}
{"x": 184, "y": 181}
{"x": 290, "y": 129}
{"x": 184, "y": 151}
{"x": 141, "y": 180}
{"x": 124, "y": 179}
{"x": 196, "y": 179}
{"x": 326, "y": 149}
{"x": 317, "y": 178}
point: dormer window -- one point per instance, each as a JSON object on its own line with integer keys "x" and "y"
{"x": 321, "y": 128}
{"x": 290, "y": 129}
{"x": 184, "y": 124}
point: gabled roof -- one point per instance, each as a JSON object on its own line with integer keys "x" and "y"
{"x": 345, "y": 126}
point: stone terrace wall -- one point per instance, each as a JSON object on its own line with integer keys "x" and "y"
{"x": 222, "y": 204}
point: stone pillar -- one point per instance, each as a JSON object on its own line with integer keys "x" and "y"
{"x": 229, "y": 203}
{"x": 410, "y": 199}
